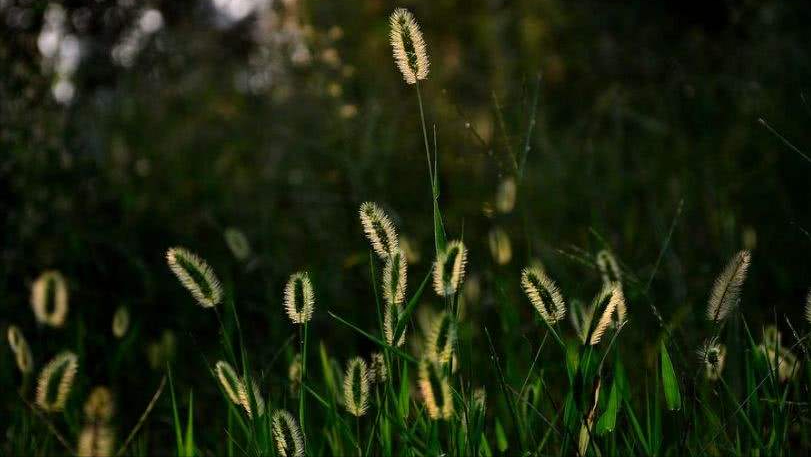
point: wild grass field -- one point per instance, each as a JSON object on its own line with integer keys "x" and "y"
{"x": 298, "y": 228}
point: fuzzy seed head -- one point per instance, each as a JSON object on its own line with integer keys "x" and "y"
{"x": 121, "y": 322}
{"x": 49, "y": 299}
{"x": 99, "y": 406}
{"x": 505, "y": 195}
{"x": 299, "y": 298}
{"x": 238, "y": 243}
{"x": 609, "y": 268}
{"x": 229, "y": 381}
{"x": 441, "y": 339}
{"x": 395, "y": 278}
{"x": 286, "y": 433}
{"x": 378, "y": 373}
{"x": 544, "y": 294}
{"x": 245, "y": 397}
{"x": 391, "y": 317}
{"x": 356, "y": 387}
{"x": 379, "y": 230}
{"x": 726, "y": 291}
{"x": 408, "y": 46}
{"x": 449, "y": 270}
{"x": 713, "y": 355}
{"x": 435, "y": 390}
{"x": 195, "y": 275}
{"x": 56, "y": 381}
{"x": 500, "y": 247}
{"x": 96, "y": 440}
{"x": 611, "y": 301}
{"x": 19, "y": 346}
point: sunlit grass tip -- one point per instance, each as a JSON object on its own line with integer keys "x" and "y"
{"x": 544, "y": 294}
{"x": 245, "y": 397}
{"x": 395, "y": 278}
{"x": 391, "y": 317}
{"x": 95, "y": 440}
{"x": 435, "y": 390}
{"x": 299, "y": 298}
{"x": 56, "y": 381}
{"x": 99, "y": 406}
{"x": 712, "y": 356}
{"x": 229, "y": 380}
{"x": 726, "y": 291}
{"x": 195, "y": 275}
{"x": 408, "y": 45}
{"x": 20, "y": 349}
{"x": 49, "y": 298}
{"x": 287, "y": 434}
{"x": 356, "y": 387}
{"x": 379, "y": 230}
{"x": 611, "y": 301}
{"x": 449, "y": 270}
{"x": 378, "y": 373}
{"x": 121, "y": 321}
{"x": 609, "y": 268}
{"x": 441, "y": 339}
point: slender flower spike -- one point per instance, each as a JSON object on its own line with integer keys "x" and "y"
{"x": 713, "y": 355}
{"x": 228, "y": 380}
{"x": 391, "y": 317}
{"x": 609, "y": 268}
{"x": 408, "y": 46}
{"x": 544, "y": 295}
{"x": 195, "y": 275}
{"x": 356, "y": 387}
{"x": 449, "y": 270}
{"x": 96, "y": 440}
{"x": 286, "y": 433}
{"x": 379, "y": 230}
{"x": 299, "y": 299}
{"x": 99, "y": 406}
{"x": 19, "y": 346}
{"x": 245, "y": 397}
{"x": 612, "y": 303}
{"x": 395, "y": 278}
{"x": 441, "y": 339}
{"x": 726, "y": 291}
{"x": 56, "y": 381}
{"x": 49, "y": 299}
{"x": 121, "y": 321}
{"x": 435, "y": 390}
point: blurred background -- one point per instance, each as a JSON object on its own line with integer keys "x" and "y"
{"x": 127, "y": 127}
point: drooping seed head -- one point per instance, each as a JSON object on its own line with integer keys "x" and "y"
{"x": 229, "y": 380}
{"x": 96, "y": 440}
{"x": 378, "y": 373}
{"x": 391, "y": 317}
{"x": 610, "y": 302}
{"x": 195, "y": 275}
{"x": 299, "y": 298}
{"x": 56, "y": 381}
{"x": 726, "y": 291}
{"x": 712, "y": 355}
{"x": 286, "y": 433}
{"x": 505, "y": 195}
{"x": 395, "y": 278}
{"x": 408, "y": 46}
{"x": 441, "y": 339}
{"x": 49, "y": 299}
{"x": 121, "y": 321}
{"x": 435, "y": 390}
{"x": 99, "y": 406}
{"x": 609, "y": 268}
{"x": 449, "y": 270}
{"x": 238, "y": 243}
{"x": 544, "y": 295}
{"x": 500, "y": 247}
{"x": 356, "y": 387}
{"x": 249, "y": 398}
{"x": 20, "y": 348}
{"x": 379, "y": 230}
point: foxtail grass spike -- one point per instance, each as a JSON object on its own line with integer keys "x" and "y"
{"x": 408, "y": 46}
{"x": 286, "y": 433}
{"x": 245, "y": 397}
{"x": 356, "y": 387}
{"x": 435, "y": 390}
{"x": 99, "y": 406}
{"x": 49, "y": 299}
{"x": 121, "y": 321}
{"x": 612, "y": 312}
{"x": 378, "y": 373}
{"x": 294, "y": 372}
{"x": 379, "y": 230}
{"x": 195, "y": 275}
{"x": 609, "y": 268}
{"x": 712, "y": 355}
{"x": 726, "y": 291}
{"x": 505, "y": 196}
{"x": 500, "y": 246}
{"x": 56, "y": 381}
{"x": 449, "y": 270}
{"x": 229, "y": 380}
{"x": 441, "y": 339}
{"x": 391, "y": 317}
{"x": 237, "y": 243}
{"x": 395, "y": 278}
{"x": 20, "y": 349}
{"x": 299, "y": 298}
{"x": 544, "y": 295}
{"x": 96, "y": 440}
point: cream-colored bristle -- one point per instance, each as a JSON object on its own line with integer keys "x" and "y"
{"x": 49, "y": 299}
{"x": 441, "y": 339}
{"x": 408, "y": 46}
{"x": 726, "y": 291}
{"x": 287, "y": 434}
{"x": 435, "y": 390}
{"x": 56, "y": 381}
{"x": 195, "y": 275}
{"x": 229, "y": 380}
{"x": 379, "y": 230}
{"x": 449, "y": 270}
{"x": 245, "y": 397}
{"x": 299, "y": 298}
{"x": 544, "y": 295}
{"x": 356, "y": 387}
{"x": 395, "y": 278}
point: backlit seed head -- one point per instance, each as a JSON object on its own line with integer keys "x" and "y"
{"x": 610, "y": 302}
{"x": 449, "y": 270}
{"x": 238, "y": 243}
{"x": 121, "y": 321}
{"x": 408, "y": 46}
{"x": 299, "y": 298}
{"x": 500, "y": 247}
{"x": 435, "y": 390}
{"x": 505, "y": 195}
{"x": 96, "y": 440}
{"x": 391, "y": 317}
{"x": 713, "y": 355}
{"x": 379, "y": 230}
{"x": 99, "y": 406}
{"x": 378, "y": 373}
{"x": 726, "y": 291}
{"x": 395, "y": 278}
{"x": 286, "y": 433}
{"x": 581, "y": 317}
{"x": 356, "y": 387}
{"x": 780, "y": 360}
{"x": 609, "y": 268}
{"x": 56, "y": 381}
{"x": 441, "y": 339}
{"x": 544, "y": 295}
{"x": 49, "y": 299}
{"x": 229, "y": 380}
{"x": 19, "y": 346}
{"x": 245, "y": 397}
{"x": 195, "y": 275}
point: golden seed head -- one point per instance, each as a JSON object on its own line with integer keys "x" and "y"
{"x": 611, "y": 301}
{"x": 356, "y": 387}
{"x": 96, "y": 440}
{"x": 379, "y": 230}
{"x": 435, "y": 390}
{"x": 245, "y": 397}
{"x": 505, "y": 195}
{"x": 712, "y": 355}
{"x": 49, "y": 299}
{"x": 299, "y": 298}
{"x": 544, "y": 294}
{"x": 238, "y": 243}
{"x": 441, "y": 339}
{"x": 609, "y": 268}
{"x": 408, "y": 46}
{"x": 286, "y": 433}
{"x": 19, "y": 346}
{"x": 195, "y": 275}
{"x": 121, "y": 321}
{"x": 99, "y": 406}
{"x": 391, "y": 317}
{"x": 229, "y": 380}
{"x": 56, "y": 381}
{"x": 395, "y": 278}
{"x": 500, "y": 247}
{"x": 378, "y": 373}
{"x": 726, "y": 291}
{"x": 449, "y": 270}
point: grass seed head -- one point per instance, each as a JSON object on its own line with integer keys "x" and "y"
{"x": 99, "y": 406}
{"x": 609, "y": 268}
{"x": 378, "y": 373}
{"x": 611, "y": 302}
{"x": 379, "y": 230}
{"x": 713, "y": 355}
{"x": 96, "y": 440}
{"x": 391, "y": 317}
{"x": 238, "y": 243}
{"x": 726, "y": 291}
{"x": 20, "y": 348}
{"x": 56, "y": 381}
{"x": 441, "y": 339}
{"x": 449, "y": 270}
{"x": 121, "y": 322}
{"x": 356, "y": 387}
{"x": 544, "y": 295}
{"x": 408, "y": 46}
{"x": 500, "y": 246}
{"x": 229, "y": 380}
{"x": 299, "y": 298}
{"x": 505, "y": 195}
{"x": 286, "y": 433}
{"x": 49, "y": 299}
{"x": 245, "y": 397}
{"x": 195, "y": 275}
{"x": 435, "y": 390}
{"x": 395, "y": 278}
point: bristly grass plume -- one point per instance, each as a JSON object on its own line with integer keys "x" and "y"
{"x": 395, "y": 278}
{"x": 195, "y": 275}
{"x": 408, "y": 46}
{"x": 20, "y": 349}
{"x": 229, "y": 380}
{"x": 49, "y": 299}
{"x": 726, "y": 291}
{"x": 121, "y": 321}
{"x": 286, "y": 433}
{"x": 99, "y": 406}
{"x": 299, "y": 298}
{"x": 379, "y": 230}
{"x": 435, "y": 390}
{"x": 96, "y": 440}
{"x": 449, "y": 270}
{"x": 356, "y": 387}
{"x": 56, "y": 381}
{"x": 441, "y": 339}
{"x": 712, "y": 355}
{"x": 611, "y": 301}
{"x": 544, "y": 294}
{"x": 245, "y": 397}
{"x": 391, "y": 317}
{"x": 609, "y": 268}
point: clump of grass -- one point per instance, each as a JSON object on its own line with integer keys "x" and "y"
{"x": 56, "y": 381}
{"x": 356, "y": 387}
{"x": 195, "y": 275}
{"x": 49, "y": 299}
{"x": 726, "y": 291}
